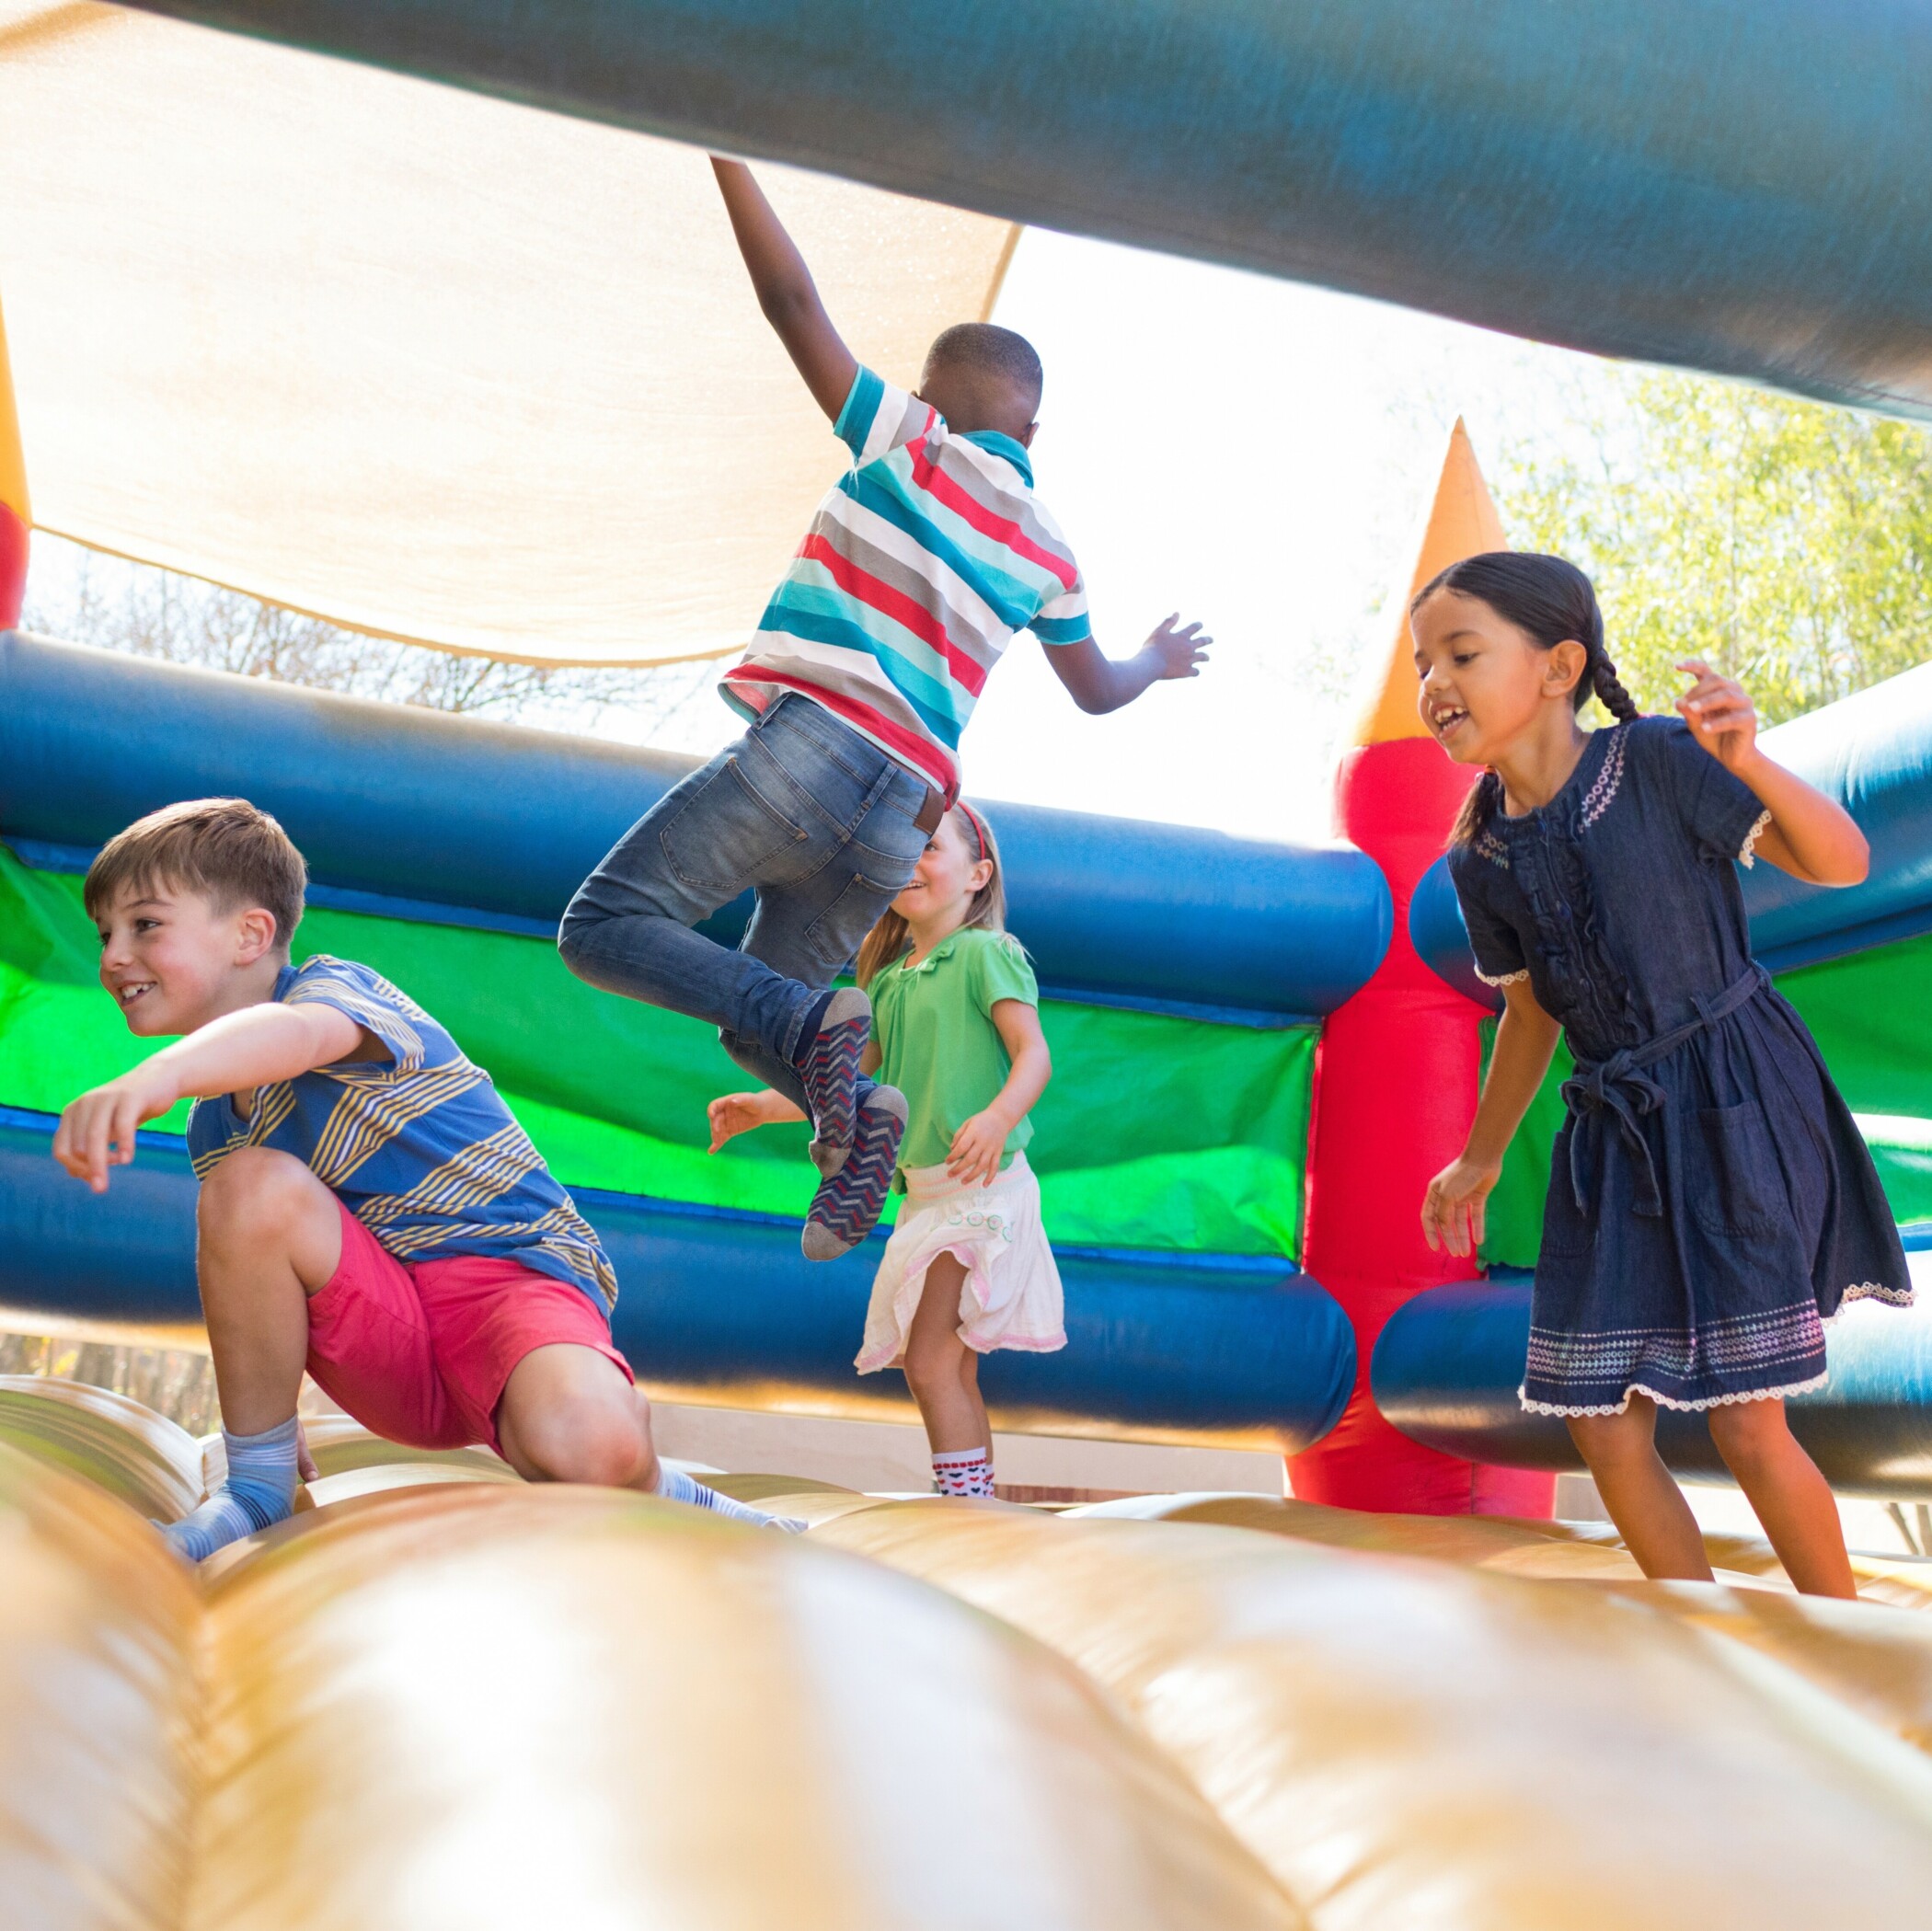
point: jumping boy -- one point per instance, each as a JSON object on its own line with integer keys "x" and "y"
{"x": 368, "y": 1208}
{"x": 919, "y": 566}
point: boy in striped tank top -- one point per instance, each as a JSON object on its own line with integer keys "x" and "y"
{"x": 919, "y": 566}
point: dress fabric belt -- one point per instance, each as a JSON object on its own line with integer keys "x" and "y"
{"x": 1617, "y": 1086}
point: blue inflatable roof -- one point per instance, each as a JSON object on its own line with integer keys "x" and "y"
{"x": 1746, "y": 189}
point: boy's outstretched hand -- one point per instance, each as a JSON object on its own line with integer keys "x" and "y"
{"x": 1178, "y": 650}
{"x": 97, "y": 1131}
{"x": 1098, "y": 684}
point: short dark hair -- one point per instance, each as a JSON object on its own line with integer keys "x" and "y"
{"x": 986, "y": 348}
{"x": 223, "y": 846}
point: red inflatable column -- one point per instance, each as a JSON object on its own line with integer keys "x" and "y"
{"x": 16, "y": 518}
{"x": 1397, "y": 1072}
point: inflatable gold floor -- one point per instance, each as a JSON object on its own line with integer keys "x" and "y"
{"x": 438, "y": 1699}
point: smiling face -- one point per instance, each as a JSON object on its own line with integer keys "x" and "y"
{"x": 944, "y": 880}
{"x": 1486, "y": 686}
{"x": 171, "y": 961}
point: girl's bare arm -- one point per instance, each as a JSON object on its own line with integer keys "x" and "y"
{"x": 1810, "y": 835}
{"x": 1453, "y": 1208}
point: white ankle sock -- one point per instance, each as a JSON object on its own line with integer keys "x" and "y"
{"x": 964, "y": 1471}
{"x": 259, "y": 1491}
{"x": 675, "y": 1486}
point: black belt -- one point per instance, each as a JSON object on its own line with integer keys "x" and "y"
{"x": 1617, "y": 1086}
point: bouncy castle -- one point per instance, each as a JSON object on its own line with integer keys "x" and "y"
{"x": 1407, "y": 1696}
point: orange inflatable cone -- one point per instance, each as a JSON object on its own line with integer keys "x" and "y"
{"x": 1396, "y": 1069}
{"x": 15, "y": 515}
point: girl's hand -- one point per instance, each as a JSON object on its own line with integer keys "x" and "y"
{"x": 976, "y": 1149}
{"x": 1719, "y": 712}
{"x": 1453, "y": 1210}
{"x": 736, "y": 1113}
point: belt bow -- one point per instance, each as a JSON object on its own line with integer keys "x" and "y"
{"x": 1619, "y": 1087}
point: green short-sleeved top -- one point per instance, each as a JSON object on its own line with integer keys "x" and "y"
{"x": 937, "y": 1038}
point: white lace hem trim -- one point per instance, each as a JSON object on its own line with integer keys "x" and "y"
{"x": 1859, "y": 1291}
{"x": 1671, "y": 1402}
{"x": 1507, "y": 979}
{"x": 1747, "y": 853}
{"x": 1870, "y": 1291}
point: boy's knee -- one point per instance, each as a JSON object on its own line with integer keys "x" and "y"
{"x": 602, "y": 1445}
{"x": 573, "y": 936}
{"x": 258, "y": 1191}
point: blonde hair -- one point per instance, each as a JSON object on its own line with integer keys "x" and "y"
{"x": 892, "y": 938}
{"x": 239, "y": 857}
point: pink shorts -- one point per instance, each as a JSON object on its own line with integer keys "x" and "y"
{"x": 419, "y": 1354}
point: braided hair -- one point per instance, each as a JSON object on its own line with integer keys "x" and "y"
{"x": 1551, "y": 601}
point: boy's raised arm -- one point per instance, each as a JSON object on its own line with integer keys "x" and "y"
{"x": 1100, "y": 683}
{"x": 255, "y": 1047}
{"x": 786, "y": 293}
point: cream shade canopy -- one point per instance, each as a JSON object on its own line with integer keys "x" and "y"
{"x": 425, "y": 363}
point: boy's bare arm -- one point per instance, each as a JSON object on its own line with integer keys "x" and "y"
{"x": 1100, "y": 683}
{"x": 240, "y": 1051}
{"x": 786, "y": 291}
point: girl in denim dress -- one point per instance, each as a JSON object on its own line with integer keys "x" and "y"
{"x": 1711, "y": 1201}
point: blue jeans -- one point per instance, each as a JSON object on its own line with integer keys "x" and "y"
{"x": 815, "y": 819}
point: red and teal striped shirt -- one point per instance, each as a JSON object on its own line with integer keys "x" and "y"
{"x": 917, "y": 570}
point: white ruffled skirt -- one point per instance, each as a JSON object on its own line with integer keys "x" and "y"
{"x": 1011, "y": 1295}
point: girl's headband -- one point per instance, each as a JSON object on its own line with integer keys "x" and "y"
{"x": 979, "y": 830}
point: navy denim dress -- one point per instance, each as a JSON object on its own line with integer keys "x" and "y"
{"x": 1711, "y": 1201}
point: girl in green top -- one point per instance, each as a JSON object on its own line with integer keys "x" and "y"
{"x": 956, "y": 1029}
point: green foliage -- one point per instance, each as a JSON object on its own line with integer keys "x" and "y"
{"x": 1789, "y": 543}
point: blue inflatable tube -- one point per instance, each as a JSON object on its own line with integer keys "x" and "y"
{"x": 720, "y": 1304}
{"x": 1447, "y": 1367}
{"x": 1744, "y": 188}
{"x": 426, "y": 815}
{"x": 1872, "y": 752}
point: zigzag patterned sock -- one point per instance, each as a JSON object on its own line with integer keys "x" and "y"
{"x": 964, "y": 1471}
{"x": 259, "y": 1491}
{"x": 831, "y": 1040}
{"x": 847, "y": 1204}
{"x": 675, "y": 1486}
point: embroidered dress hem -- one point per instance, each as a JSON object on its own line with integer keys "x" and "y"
{"x": 1663, "y": 1400}
{"x": 1778, "y": 1352}
{"x": 1011, "y": 1296}
{"x": 1871, "y": 1291}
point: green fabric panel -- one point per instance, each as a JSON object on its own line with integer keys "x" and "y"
{"x": 1513, "y": 1229}
{"x": 1156, "y": 1132}
{"x": 1866, "y": 1013}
